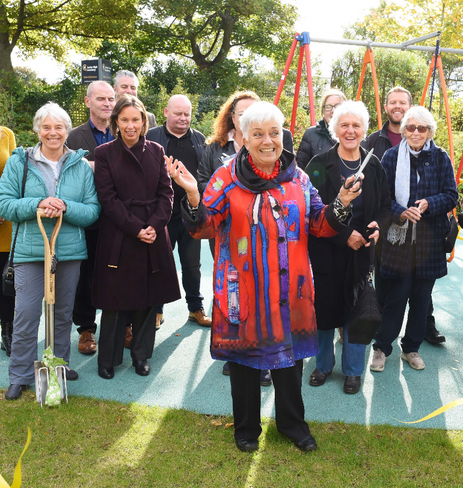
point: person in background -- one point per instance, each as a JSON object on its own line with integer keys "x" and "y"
{"x": 317, "y": 140}
{"x": 423, "y": 190}
{"x": 134, "y": 265}
{"x": 261, "y": 208}
{"x": 100, "y": 101}
{"x": 59, "y": 181}
{"x": 182, "y": 142}
{"x": 126, "y": 81}
{"x": 7, "y": 145}
{"x": 339, "y": 262}
{"x": 398, "y": 101}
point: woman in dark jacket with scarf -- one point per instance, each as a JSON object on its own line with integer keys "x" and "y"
{"x": 339, "y": 262}
{"x": 317, "y": 140}
{"x": 134, "y": 267}
{"x": 423, "y": 190}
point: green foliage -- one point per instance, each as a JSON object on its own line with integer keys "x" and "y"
{"x": 392, "y": 68}
{"x": 55, "y": 26}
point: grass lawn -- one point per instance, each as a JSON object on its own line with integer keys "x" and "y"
{"x": 93, "y": 443}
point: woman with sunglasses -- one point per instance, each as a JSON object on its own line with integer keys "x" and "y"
{"x": 317, "y": 140}
{"x": 422, "y": 184}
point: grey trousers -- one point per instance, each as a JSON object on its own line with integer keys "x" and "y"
{"x": 29, "y": 285}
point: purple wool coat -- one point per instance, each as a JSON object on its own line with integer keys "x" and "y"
{"x": 130, "y": 274}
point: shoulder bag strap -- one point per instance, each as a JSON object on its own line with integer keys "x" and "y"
{"x": 23, "y": 188}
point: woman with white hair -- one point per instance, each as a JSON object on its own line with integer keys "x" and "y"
{"x": 423, "y": 190}
{"x": 339, "y": 262}
{"x": 59, "y": 181}
{"x": 261, "y": 208}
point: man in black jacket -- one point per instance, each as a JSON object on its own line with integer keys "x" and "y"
{"x": 182, "y": 142}
{"x": 398, "y": 101}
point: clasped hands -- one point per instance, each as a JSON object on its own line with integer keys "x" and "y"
{"x": 53, "y": 207}
{"x": 147, "y": 235}
{"x": 414, "y": 213}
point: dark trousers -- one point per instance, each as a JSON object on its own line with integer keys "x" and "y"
{"x": 418, "y": 293}
{"x": 289, "y": 407}
{"x": 84, "y": 312}
{"x": 112, "y": 335}
{"x": 189, "y": 251}
{"x": 6, "y": 302}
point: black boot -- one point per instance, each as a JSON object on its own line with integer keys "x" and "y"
{"x": 7, "y": 336}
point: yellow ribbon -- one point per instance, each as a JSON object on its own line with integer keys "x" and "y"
{"x": 437, "y": 412}
{"x": 17, "y": 472}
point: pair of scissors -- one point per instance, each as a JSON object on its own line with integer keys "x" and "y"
{"x": 357, "y": 175}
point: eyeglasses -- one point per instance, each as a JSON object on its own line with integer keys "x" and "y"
{"x": 329, "y": 108}
{"x": 412, "y": 128}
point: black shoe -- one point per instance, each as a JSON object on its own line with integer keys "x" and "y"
{"x": 105, "y": 373}
{"x": 142, "y": 368}
{"x": 226, "y": 369}
{"x": 71, "y": 375}
{"x": 7, "y": 337}
{"x": 317, "y": 378}
{"x": 265, "y": 378}
{"x": 352, "y": 384}
{"x": 433, "y": 336}
{"x": 307, "y": 444}
{"x": 247, "y": 445}
{"x": 15, "y": 391}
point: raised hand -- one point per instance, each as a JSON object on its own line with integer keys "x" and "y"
{"x": 183, "y": 178}
{"x": 346, "y": 196}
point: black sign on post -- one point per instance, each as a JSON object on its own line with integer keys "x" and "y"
{"x": 96, "y": 69}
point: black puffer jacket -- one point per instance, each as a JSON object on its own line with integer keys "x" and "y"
{"x": 316, "y": 140}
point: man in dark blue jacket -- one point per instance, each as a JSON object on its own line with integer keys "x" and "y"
{"x": 398, "y": 101}
{"x": 182, "y": 142}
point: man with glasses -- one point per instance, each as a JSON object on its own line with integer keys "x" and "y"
{"x": 317, "y": 140}
{"x": 398, "y": 101}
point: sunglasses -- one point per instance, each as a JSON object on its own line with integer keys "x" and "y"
{"x": 412, "y": 128}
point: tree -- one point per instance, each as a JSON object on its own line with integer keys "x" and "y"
{"x": 414, "y": 18}
{"x": 205, "y": 31}
{"x": 392, "y": 68}
{"x": 54, "y": 26}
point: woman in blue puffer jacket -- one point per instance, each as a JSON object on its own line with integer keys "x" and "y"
{"x": 59, "y": 181}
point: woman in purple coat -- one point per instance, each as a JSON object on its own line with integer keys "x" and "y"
{"x": 134, "y": 267}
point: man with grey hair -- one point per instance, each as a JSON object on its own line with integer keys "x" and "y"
{"x": 100, "y": 101}
{"x": 182, "y": 142}
{"x": 126, "y": 81}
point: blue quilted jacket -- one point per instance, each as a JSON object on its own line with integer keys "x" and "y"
{"x": 75, "y": 187}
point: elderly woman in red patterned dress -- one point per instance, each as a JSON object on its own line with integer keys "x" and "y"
{"x": 261, "y": 208}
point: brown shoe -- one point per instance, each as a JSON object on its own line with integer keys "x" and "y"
{"x": 159, "y": 320}
{"x": 87, "y": 343}
{"x": 200, "y": 318}
{"x": 128, "y": 337}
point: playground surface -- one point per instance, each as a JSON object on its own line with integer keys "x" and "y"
{"x": 183, "y": 375}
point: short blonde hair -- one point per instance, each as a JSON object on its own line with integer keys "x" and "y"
{"x": 329, "y": 93}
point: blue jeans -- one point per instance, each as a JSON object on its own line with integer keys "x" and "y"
{"x": 353, "y": 355}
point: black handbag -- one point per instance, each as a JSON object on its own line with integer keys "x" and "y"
{"x": 8, "y": 270}
{"x": 365, "y": 316}
{"x": 451, "y": 236}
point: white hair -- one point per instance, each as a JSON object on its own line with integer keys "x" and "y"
{"x": 259, "y": 113}
{"x": 422, "y": 117}
{"x": 357, "y": 109}
{"x": 55, "y": 112}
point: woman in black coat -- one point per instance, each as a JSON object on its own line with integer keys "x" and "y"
{"x": 340, "y": 261}
{"x": 317, "y": 140}
{"x": 134, "y": 267}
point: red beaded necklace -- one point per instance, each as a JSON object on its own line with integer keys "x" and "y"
{"x": 263, "y": 175}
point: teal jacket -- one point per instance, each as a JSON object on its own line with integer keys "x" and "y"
{"x": 75, "y": 187}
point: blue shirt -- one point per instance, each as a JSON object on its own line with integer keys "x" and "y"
{"x": 101, "y": 137}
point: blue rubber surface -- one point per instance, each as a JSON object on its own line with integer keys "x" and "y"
{"x": 183, "y": 375}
